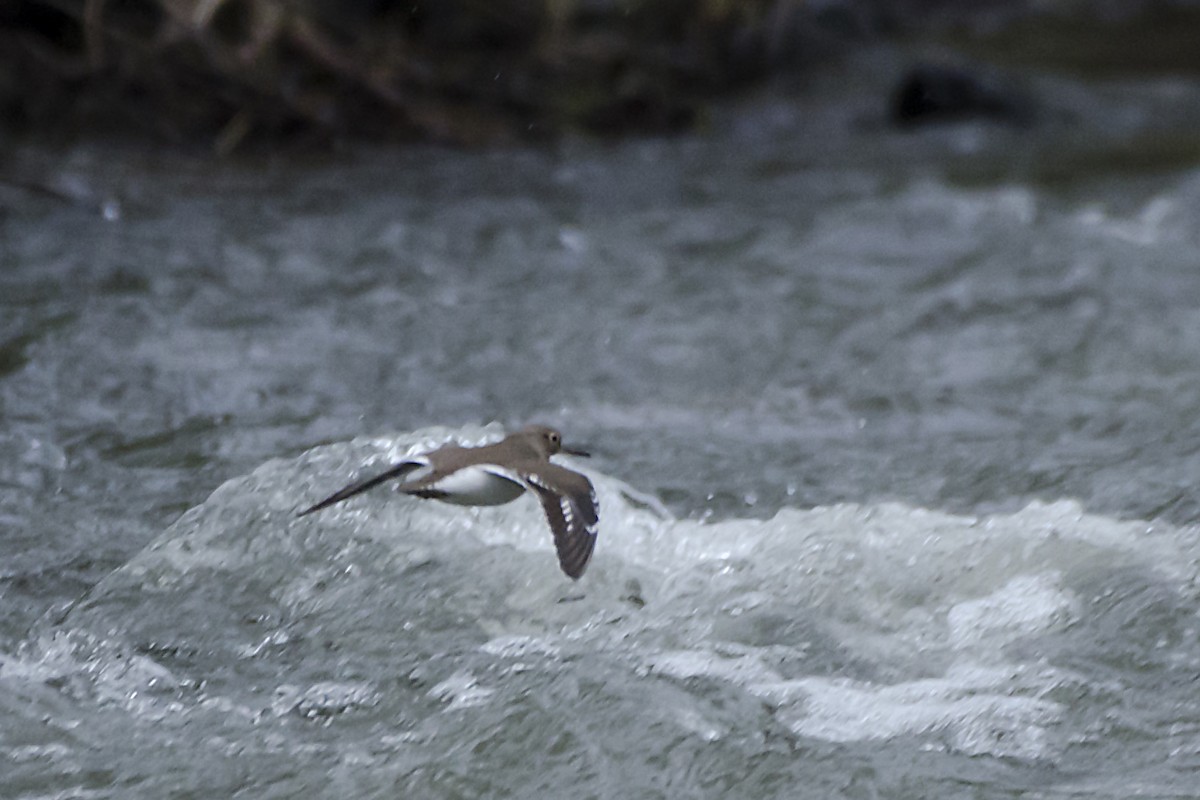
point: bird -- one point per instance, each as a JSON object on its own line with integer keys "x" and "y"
{"x": 498, "y": 473}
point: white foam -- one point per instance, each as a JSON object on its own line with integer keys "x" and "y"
{"x": 461, "y": 690}
{"x": 746, "y": 670}
{"x": 324, "y": 699}
{"x": 1025, "y": 605}
{"x": 974, "y": 709}
{"x": 519, "y": 647}
{"x": 975, "y": 717}
{"x": 852, "y": 623}
{"x": 933, "y": 601}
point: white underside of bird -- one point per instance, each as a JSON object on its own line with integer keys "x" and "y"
{"x": 478, "y": 485}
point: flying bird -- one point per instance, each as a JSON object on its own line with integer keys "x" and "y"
{"x": 494, "y": 474}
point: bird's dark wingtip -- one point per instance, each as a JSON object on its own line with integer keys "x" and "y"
{"x": 397, "y": 471}
{"x": 326, "y": 503}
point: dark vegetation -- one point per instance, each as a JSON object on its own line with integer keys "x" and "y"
{"x": 224, "y": 73}
{"x": 462, "y": 71}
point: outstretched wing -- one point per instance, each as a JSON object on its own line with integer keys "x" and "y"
{"x": 397, "y": 471}
{"x": 572, "y": 510}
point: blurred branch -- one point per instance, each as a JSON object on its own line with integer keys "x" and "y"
{"x": 460, "y": 70}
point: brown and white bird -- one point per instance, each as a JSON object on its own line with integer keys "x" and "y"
{"x": 494, "y": 474}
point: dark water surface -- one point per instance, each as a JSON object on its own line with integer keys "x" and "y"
{"x": 922, "y": 406}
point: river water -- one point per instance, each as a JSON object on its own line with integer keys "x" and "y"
{"x": 895, "y": 434}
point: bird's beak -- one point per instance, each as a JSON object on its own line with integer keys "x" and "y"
{"x": 573, "y": 452}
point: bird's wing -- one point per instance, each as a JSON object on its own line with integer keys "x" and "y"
{"x": 399, "y": 470}
{"x": 572, "y": 510}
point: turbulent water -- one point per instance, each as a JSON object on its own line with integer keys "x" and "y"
{"x": 895, "y": 438}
